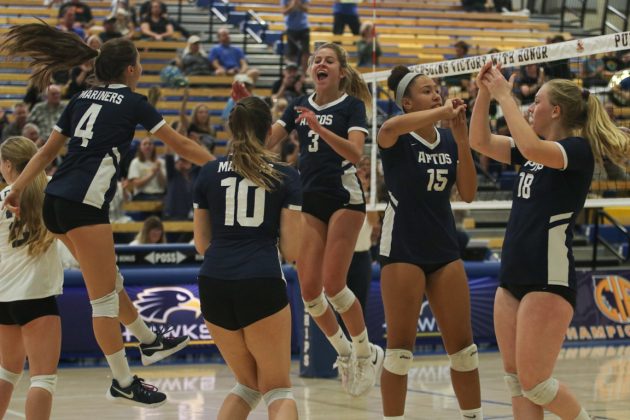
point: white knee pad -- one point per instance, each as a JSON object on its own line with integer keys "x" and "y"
{"x": 250, "y": 396}
{"x": 47, "y": 382}
{"x": 10, "y": 377}
{"x": 106, "y": 306}
{"x": 513, "y": 384}
{"x": 316, "y": 307}
{"x": 398, "y": 361}
{"x": 119, "y": 281}
{"x": 544, "y": 392}
{"x": 278, "y": 394}
{"x": 466, "y": 359}
{"x": 583, "y": 415}
{"x": 343, "y": 300}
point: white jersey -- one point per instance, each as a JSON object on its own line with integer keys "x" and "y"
{"x": 23, "y": 276}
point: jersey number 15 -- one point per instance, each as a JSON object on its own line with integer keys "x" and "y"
{"x": 236, "y": 196}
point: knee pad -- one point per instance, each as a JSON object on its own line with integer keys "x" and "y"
{"x": 119, "y": 281}
{"x": 10, "y": 377}
{"x": 583, "y": 415}
{"x": 343, "y": 300}
{"x": 544, "y": 392}
{"x": 250, "y": 396}
{"x": 106, "y": 306}
{"x": 398, "y": 361}
{"x": 513, "y": 384}
{"x": 316, "y": 307}
{"x": 47, "y": 382}
{"x": 278, "y": 394}
{"x": 466, "y": 359}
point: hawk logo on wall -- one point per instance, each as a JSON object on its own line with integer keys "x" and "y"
{"x": 155, "y": 304}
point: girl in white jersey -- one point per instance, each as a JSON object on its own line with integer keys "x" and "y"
{"x": 535, "y": 301}
{"x": 30, "y": 278}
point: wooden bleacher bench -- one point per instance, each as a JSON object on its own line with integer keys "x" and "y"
{"x": 152, "y": 206}
{"x": 169, "y": 226}
{"x": 610, "y": 185}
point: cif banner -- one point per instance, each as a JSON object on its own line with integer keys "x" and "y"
{"x": 603, "y": 307}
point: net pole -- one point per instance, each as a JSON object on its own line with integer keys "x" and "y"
{"x": 373, "y": 150}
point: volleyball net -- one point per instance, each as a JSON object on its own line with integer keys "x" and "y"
{"x": 596, "y": 63}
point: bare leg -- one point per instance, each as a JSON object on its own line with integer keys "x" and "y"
{"x": 12, "y": 357}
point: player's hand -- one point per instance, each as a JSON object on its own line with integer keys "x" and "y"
{"x": 496, "y": 84}
{"x": 453, "y": 107}
{"x": 12, "y": 203}
{"x": 309, "y": 116}
{"x": 459, "y": 128}
{"x": 239, "y": 91}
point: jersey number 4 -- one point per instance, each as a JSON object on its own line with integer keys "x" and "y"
{"x": 524, "y": 184}
{"x": 236, "y": 196}
{"x": 86, "y": 124}
{"x": 437, "y": 179}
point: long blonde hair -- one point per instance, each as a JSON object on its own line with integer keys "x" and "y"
{"x": 30, "y": 226}
{"x": 150, "y": 223}
{"x": 353, "y": 84}
{"x": 585, "y": 116}
{"x": 249, "y": 123}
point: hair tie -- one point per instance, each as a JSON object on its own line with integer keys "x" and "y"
{"x": 585, "y": 94}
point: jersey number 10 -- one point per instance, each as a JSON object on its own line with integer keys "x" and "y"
{"x": 236, "y": 196}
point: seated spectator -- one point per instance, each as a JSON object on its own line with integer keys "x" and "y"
{"x": 225, "y": 58}
{"x": 152, "y": 232}
{"x": 14, "y": 128}
{"x": 461, "y": 81}
{"x": 528, "y": 82}
{"x": 31, "y": 131}
{"x": 364, "y": 46}
{"x": 83, "y": 13}
{"x": 181, "y": 175}
{"x": 198, "y": 127}
{"x": 291, "y": 85}
{"x": 194, "y": 59}
{"x": 558, "y": 69}
{"x": 147, "y": 173}
{"x": 126, "y": 21}
{"x": 80, "y": 76}
{"x": 155, "y": 26}
{"x": 110, "y": 31}
{"x": 68, "y": 23}
{"x": 46, "y": 114}
{"x": 145, "y": 10}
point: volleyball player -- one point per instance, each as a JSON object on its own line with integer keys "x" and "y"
{"x": 331, "y": 125}
{"x": 245, "y": 206}
{"x": 99, "y": 124}
{"x": 31, "y": 276}
{"x": 419, "y": 251}
{"x": 536, "y": 299}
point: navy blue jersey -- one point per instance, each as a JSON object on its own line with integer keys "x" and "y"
{"x": 419, "y": 226}
{"x": 538, "y": 238}
{"x": 321, "y": 168}
{"x": 245, "y": 220}
{"x": 101, "y": 123}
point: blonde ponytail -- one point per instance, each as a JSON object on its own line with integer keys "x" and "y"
{"x": 606, "y": 139}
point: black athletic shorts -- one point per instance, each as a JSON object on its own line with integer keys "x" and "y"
{"x": 323, "y": 206}
{"x": 429, "y": 268}
{"x": 235, "y": 304}
{"x": 519, "y": 291}
{"x": 61, "y": 215}
{"x": 21, "y": 312}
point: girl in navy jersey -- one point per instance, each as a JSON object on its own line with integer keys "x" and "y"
{"x": 99, "y": 124}
{"x": 31, "y": 276}
{"x": 535, "y": 301}
{"x": 419, "y": 251}
{"x": 245, "y": 206}
{"x": 331, "y": 125}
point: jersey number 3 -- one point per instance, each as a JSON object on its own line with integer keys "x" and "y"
{"x": 86, "y": 124}
{"x": 313, "y": 146}
{"x": 236, "y": 196}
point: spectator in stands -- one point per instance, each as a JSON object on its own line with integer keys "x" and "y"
{"x": 365, "y": 45}
{"x": 45, "y": 114}
{"x": 126, "y": 21}
{"x": 297, "y": 30}
{"x": 346, "y": 13}
{"x": 68, "y": 23}
{"x": 83, "y": 13}
{"x": 109, "y": 29}
{"x": 225, "y": 58}
{"x": 199, "y": 126}
{"x": 558, "y": 69}
{"x": 461, "y": 81}
{"x": 593, "y": 72}
{"x": 278, "y": 108}
{"x": 147, "y": 173}
{"x": 20, "y": 115}
{"x": 152, "y": 232}
{"x": 194, "y": 59}
{"x": 181, "y": 175}
{"x": 80, "y": 76}
{"x": 31, "y": 132}
{"x": 155, "y": 26}
{"x": 146, "y": 9}
{"x": 291, "y": 85}
{"x": 528, "y": 82}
